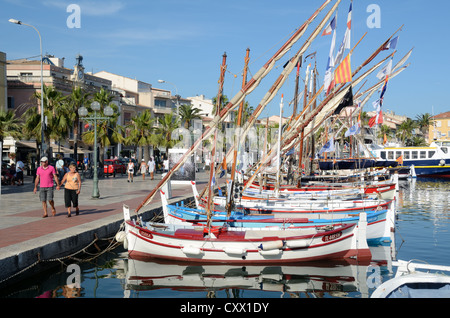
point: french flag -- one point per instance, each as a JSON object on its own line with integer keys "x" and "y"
{"x": 349, "y": 17}
{"x": 330, "y": 27}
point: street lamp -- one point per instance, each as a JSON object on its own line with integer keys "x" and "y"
{"x": 83, "y": 112}
{"x": 42, "y": 83}
{"x": 177, "y": 96}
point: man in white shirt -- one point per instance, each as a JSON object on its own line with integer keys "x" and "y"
{"x": 60, "y": 167}
{"x": 19, "y": 172}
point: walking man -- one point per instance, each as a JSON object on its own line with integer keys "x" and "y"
{"x": 45, "y": 175}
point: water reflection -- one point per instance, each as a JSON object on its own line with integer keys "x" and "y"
{"x": 317, "y": 280}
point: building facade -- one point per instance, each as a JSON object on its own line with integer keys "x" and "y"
{"x": 440, "y": 129}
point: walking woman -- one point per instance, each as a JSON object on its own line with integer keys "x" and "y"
{"x": 151, "y": 167}
{"x": 72, "y": 189}
{"x": 130, "y": 170}
{"x": 143, "y": 169}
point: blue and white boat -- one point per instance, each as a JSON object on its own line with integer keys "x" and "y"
{"x": 432, "y": 161}
{"x": 378, "y": 221}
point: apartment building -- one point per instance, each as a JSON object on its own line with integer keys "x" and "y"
{"x": 440, "y": 129}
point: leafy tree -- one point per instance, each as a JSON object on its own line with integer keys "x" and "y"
{"x": 9, "y": 126}
{"x": 188, "y": 113}
{"x": 405, "y": 130}
{"x": 141, "y": 132}
{"x": 108, "y": 131}
{"x": 167, "y": 124}
{"x": 77, "y": 99}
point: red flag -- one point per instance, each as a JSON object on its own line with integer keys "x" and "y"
{"x": 377, "y": 119}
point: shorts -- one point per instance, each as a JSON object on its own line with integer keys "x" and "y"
{"x": 19, "y": 175}
{"x": 70, "y": 197}
{"x": 46, "y": 194}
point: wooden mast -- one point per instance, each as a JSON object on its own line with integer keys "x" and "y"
{"x": 237, "y": 136}
{"x": 209, "y": 204}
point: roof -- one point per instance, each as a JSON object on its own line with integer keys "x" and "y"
{"x": 442, "y": 115}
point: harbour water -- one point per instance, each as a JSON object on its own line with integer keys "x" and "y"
{"x": 421, "y": 234}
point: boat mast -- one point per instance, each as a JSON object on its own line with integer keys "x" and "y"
{"x": 237, "y": 139}
{"x": 223, "y": 68}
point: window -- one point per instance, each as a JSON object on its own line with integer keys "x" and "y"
{"x": 423, "y": 154}
{"x": 390, "y": 155}
{"x": 414, "y": 154}
{"x": 431, "y": 154}
{"x": 438, "y": 123}
{"x": 398, "y": 154}
{"x": 10, "y": 102}
{"x": 383, "y": 154}
{"x": 444, "y": 149}
{"x": 160, "y": 103}
{"x": 406, "y": 155}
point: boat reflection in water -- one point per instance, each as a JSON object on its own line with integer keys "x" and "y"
{"x": 318, "y": 279}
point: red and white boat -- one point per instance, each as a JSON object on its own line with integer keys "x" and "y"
{"x": 243, "y": 245}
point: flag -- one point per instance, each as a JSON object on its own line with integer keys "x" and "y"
{"x": 329, "y": 80}
{"x": 349, "y": 17}
{"x": 383, "y": 89}
{"x": 343, "y": 73}
{"x": 222, "y": 173}
{"x": 330, "y": 27}
{"x": 346, "y": 101}
{"x": 400, "y": 160}
{"x": 346, "y": 41}
{"x": 328, "y": 147}
{"x": 354, "y": 130}
{"x": 392, "y": 44}
{"x": 384, "y": 139}
{"x": 377, "y": 119}
{"x": 385, "y": 71}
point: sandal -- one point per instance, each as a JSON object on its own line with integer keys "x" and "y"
{"x": 69, "y": 215}
{"x": 44, "y": 216}
{"x": 53, "y": 212}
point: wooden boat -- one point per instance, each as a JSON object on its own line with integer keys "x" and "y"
{"x": 411, "y": 281}
{"x": 244, "y": 246}
{"x": 378, "y": 226}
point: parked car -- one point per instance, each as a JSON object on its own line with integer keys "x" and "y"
{"x": 113, "y": 166}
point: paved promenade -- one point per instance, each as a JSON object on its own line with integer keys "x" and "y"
{"x": 26, "y": 237}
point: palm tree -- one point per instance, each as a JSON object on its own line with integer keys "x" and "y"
{"x": 223, "y": 103}
{"x": 188, "y": 113}
{"x": 405, "y": 130}
{"x": 32, "y": 127}
{"x": 168, "y": 123}
{"x": 141, "y": 132}
{"x": 424, "y": 121}
{"x": 77, "y": 99}
{"x": 107, "y": 130}
{"x": 384, "y": 130}
{"x": 56, "y": 125}
{"x": 9, "y": 126}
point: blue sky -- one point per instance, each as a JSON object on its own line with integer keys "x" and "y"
{"x": 182, "y": 42}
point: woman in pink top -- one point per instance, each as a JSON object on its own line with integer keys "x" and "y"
{"x": 45, "y": 175}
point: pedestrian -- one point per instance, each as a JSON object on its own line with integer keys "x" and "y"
{"x": 60, "y": 168}
{"x": 86, "y": 162}
{"x": 19, "y": 172}
{"x": 45, "y": 175}
{"x": 130, "y": 170}
{"x": 151, "y": 167}
{"x": 166, "y": 165}
{"x": 72, "y": 189}
{"x": 143, "y": 168}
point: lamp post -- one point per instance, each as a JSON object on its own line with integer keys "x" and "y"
{"x": 83, "y": 112}
{"x": 42, "y": 82}
{"x": 177, "y": 96}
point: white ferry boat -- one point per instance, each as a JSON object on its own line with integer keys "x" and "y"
{"x": 432, "y": 161}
